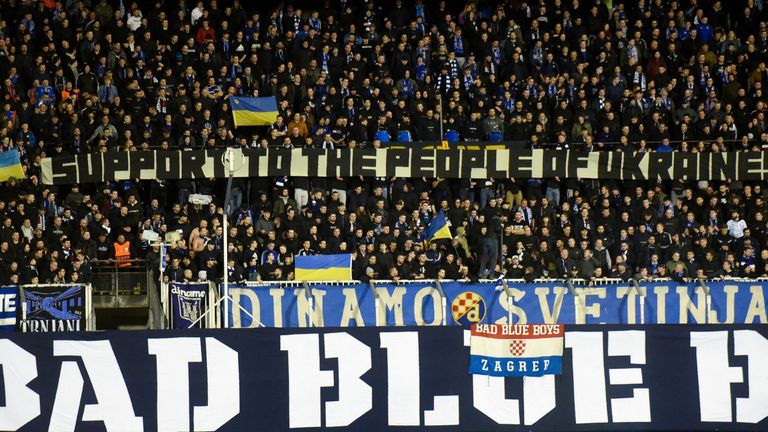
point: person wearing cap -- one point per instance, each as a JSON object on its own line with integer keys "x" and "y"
{"x": 211, "y": 268}
{"x": 74, "y": 197}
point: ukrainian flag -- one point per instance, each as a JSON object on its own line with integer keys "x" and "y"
{"x": 438, "y": 228}
{"x": 259, "y": 111}
{"x": 324, "y": 267}
{"x": 10, "y": 165}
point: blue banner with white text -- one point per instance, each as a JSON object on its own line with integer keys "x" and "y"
{"x": 187, "y": 304}
{"x": 421, "y": 303}
{"x": 9, "y": 306}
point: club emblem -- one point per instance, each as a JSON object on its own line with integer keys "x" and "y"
{"x": 468, "y": 308}
{"x": 517, "y": 347}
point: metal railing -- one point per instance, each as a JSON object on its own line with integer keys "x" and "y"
{"x": 121, "y": 283}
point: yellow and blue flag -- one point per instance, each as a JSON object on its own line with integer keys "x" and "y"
{"x": 324, "y": 267}
{"x": 438, "y": 228}
{"x": 253, "y": 111}
{"x": 10, "y": 165}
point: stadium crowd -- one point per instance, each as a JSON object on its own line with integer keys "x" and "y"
{"x": 82, "y": 77}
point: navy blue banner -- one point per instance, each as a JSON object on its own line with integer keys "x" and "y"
{"x": 615, "y": 378}
{"x": 53, "y": 308}
{"x": 188, "y": 304}
{"x": 9, "y": 307}
{"x": 487, "y": 303}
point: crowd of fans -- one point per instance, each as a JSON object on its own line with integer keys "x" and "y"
{"x": 82, "y": 77}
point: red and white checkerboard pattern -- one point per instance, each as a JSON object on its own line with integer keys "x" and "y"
{"x": 517, "y": 347}
{"x": 463, "y": 303}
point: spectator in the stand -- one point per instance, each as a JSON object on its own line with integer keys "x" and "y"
{"x": 122, "y": 251}
{"x": 736, "y": 225}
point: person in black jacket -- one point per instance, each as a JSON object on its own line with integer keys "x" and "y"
{"x": 174, "y": 272}
{"x": 565, "y": 265}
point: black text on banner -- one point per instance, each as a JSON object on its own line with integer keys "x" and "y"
{"x": 413, "y": 162}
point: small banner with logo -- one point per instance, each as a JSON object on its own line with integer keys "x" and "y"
{"x": 516, "y": 350}
{"x": 188, "y": 304}
{"x": 53, "y": 308}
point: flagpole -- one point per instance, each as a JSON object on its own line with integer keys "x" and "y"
{"x": 440, "y": 101}
{"x": 501, "y": 246}
{"x": 229, "y": 163}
